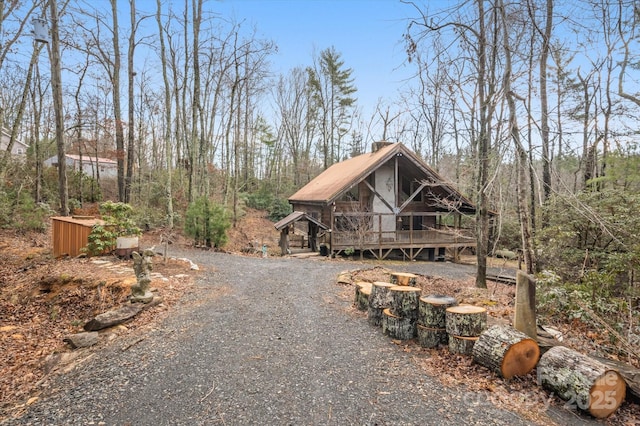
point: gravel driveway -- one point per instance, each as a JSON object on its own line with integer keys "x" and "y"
{"x": 262, "y": 341}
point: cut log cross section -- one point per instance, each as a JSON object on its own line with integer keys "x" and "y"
{"x": 363, "y": 291}
{"x": 432, "y": 310}
{"x": 403, "y": 278}
{"x": 403, "y": 301}
{"x": 506, "y": 351}
{"x": 465, "y": 320}
{"x": 464, "y": 323}
{"x": 432, "y": 320}
{"x": 398, "y": 327}
{"x": 378, "y": 301}
{"x": 431, "y": 337}
{"x": 581, "y": 380}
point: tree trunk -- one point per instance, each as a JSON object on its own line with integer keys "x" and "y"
{"x": 465, "y": 320}
{"x": 403, "y": 278}
{"x": 56, "y": 87}
{"x": 403, "y": 301}
{"x": 432, "y": 310}
{"x": 461, "y": 345}
{"x": 378, "y": 301}
{"x": 506, "y": 351}
{"x": 363, "y": 291}
{"x": 398, "y": 327}
{"x": 525, "y": 309}
{"x": 431, "y": 337}
{"x": 582, "y": 381}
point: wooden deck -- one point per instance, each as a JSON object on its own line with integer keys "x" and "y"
{"x": 410, "y": 243}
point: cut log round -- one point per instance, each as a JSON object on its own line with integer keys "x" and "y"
{"x": 374, "y": 316}
{"x": 398, "y": 327}
{"x": 461, "y": 345}
{"x": 403, "y": 278}
{"x": 432, "y": 309}
{"x": 361, "y": 300}
{"x": 506, "y": 351}
{"x": 403, "y": 301}
{"x": 431, "y": 337}
{"x": 465, "y": 320}
{"x": 379, "y": 297}
{"x": 581, "y": 380}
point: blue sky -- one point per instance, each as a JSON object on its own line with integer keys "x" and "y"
{"x": 368, "y": 34}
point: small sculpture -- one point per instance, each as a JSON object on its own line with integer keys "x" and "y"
{"x": 142, "y": 266}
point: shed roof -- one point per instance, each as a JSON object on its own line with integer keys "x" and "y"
{"x": 296, "y": 216}
{"x": 79, "y": 220}
{"x": 340, "y": 177}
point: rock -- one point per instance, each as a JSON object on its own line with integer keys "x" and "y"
{"x": 142, "y": 298}
{"x": 111, "y": 318}
{"x": 82, "y": 340}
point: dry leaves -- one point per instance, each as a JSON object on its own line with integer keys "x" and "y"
{"x": 42, "y": 300}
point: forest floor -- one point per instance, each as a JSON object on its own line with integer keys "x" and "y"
{"x": 42, "y": 300}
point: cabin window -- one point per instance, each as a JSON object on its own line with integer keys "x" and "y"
{"x": 408, "y": 186}
{"x": 352, "y": 194}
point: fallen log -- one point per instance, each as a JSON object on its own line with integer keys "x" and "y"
{"x": 584, "y": 382}
{"x": 114, "y": 317}
{"x": 506, "y": 351}
{"x": 398, "y": 327}
{"x": 403, "y": 278}
{"x": 431, "y": 337}
{"x": 361, "y": 299}
{"x": 465, "y": 320}
{"x": 403, "y": 301}
{"x": 461, "y": 345}
{"x": 432, "y": 310}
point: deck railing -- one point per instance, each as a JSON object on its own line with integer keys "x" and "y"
{"x": 357, "y": 231}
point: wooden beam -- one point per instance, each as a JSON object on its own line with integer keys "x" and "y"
{"x": 410, "y": 199}
{"x": 386, "y": 203}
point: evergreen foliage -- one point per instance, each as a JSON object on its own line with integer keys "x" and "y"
{"x": 207, "y": 223}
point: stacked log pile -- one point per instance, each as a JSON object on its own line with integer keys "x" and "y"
{"x": 586, "y": 383}
{"x": 378, "y": 302}
{"x": 431, "y": 328}
{"x": 403, "y": 278}
{"x": 399, "y": 319}
{"x": 363, "y": 291}
{"x": 464, "y": 323}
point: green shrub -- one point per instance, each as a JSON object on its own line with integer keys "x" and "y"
{"x": 118, "y": 223}
{"x": 207, "y": 223}
{"x": 279, "y": 209}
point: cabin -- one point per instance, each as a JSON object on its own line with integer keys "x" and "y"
{"x": 90, "y": 166}
{"x": 386, "y": 203}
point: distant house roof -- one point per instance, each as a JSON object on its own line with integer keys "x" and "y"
{"x": 91, "y": 159}
{"x": 340, "y": 177}
{"x": 19, "y": 147}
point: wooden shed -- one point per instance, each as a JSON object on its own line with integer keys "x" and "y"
{"x": 71, "y": 234}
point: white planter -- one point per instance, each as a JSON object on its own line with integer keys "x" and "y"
{"x": 126, "y": 245}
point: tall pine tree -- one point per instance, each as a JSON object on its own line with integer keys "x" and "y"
{"x": 332, "y": 87}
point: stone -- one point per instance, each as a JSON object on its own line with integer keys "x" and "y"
{"x": 142, "y": 266}
{"x": 82, "y": 340}
{"x": 114, "y": 317}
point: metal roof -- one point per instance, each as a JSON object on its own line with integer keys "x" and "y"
{"x": 340, "y": 177}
